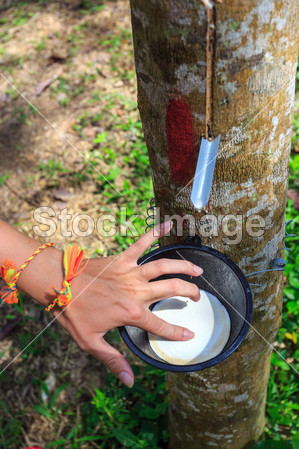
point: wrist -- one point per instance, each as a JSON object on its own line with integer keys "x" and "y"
{"x": 42, "y": 273}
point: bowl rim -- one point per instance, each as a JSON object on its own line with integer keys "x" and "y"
{"x": 238, "y": 340}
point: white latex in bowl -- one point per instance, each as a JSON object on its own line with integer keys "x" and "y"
{"x": 207, "y": 318}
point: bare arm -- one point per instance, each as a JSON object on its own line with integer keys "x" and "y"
{"x": 42, "y": 273}
{"x": 111, "y": 291}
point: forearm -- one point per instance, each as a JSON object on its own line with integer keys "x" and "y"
{"x": 110, "y": 292}
{"x": 42, "y": 273}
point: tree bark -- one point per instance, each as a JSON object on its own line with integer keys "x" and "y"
{"x": 253, "y": 73}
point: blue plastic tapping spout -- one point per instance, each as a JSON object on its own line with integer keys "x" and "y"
{"x": 204, "y": 172}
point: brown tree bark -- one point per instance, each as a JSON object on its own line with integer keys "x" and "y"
{"x": 253, "y": 70}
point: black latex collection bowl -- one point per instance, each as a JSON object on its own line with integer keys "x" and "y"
{"x": 224, "y": 279}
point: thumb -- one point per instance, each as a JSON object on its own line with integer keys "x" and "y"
{"x": 113, "y": 360}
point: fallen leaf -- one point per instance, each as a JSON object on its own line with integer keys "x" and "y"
{"x": 36, "y": 196}
{"x": 59, "y": 53}
{"x": 70, "y": 128}
{"x": 119, "y": 83}
{"x": 56, "y": 59}
{"x": 290, "y": 359}
{"x": 59, "y": 205}
{"x": 100, "y": 72}
{"x": 90, "y": 131}
{"x": 60, "y": 194}
{"x": 42, "y": 85}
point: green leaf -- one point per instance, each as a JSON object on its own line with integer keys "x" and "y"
{"x": 125, "y": 437}
{"x": 277, "y": 361}
{"x": 289, "y": 293}
{"x": 57, "y": 393}
{"x": 55, "y": 443}
{"x": 3, "y": 406}
{"x": 44, "y": 387}
{"x": 292, "y": 306}
{"x": 149, "y": 413}
{"x": 101, "y": 137}
{"x": 272, "y": 445}
{"x": 295, "y": 442}
{"x": 90, "y": 438}
{"x": 3, "y": 178}
{"x": 42, "y": 411}
{"x": 294, "y": 281}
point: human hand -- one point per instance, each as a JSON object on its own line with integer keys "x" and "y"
{"x": 115, "y": 291}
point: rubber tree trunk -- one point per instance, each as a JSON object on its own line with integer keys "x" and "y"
{"x": 253, "y": 73}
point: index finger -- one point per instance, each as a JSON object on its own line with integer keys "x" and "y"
{"x": 142, "y": 244}
{"x": 157, "y": 326}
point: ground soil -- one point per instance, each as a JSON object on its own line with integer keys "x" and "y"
{"x": 44, "y": 43}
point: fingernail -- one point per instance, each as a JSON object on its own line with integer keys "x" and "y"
{"x": 166, "y": 226}
{"x": 188, "y": 334}
{"x": 126, "y": 379}
{"x": 197, "y": 269}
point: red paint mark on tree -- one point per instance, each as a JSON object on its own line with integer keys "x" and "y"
{"x": 181, "y": 141}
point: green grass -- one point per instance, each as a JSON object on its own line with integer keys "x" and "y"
{"x": 270, "y": 444}
{"x": 121, "y": 417}
{"x": 10, "y": 427}
{"x": 117, "y": 417}
{"x": 282, "y": 403}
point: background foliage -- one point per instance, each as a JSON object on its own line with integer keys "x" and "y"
{"x": 55, "y": 396}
